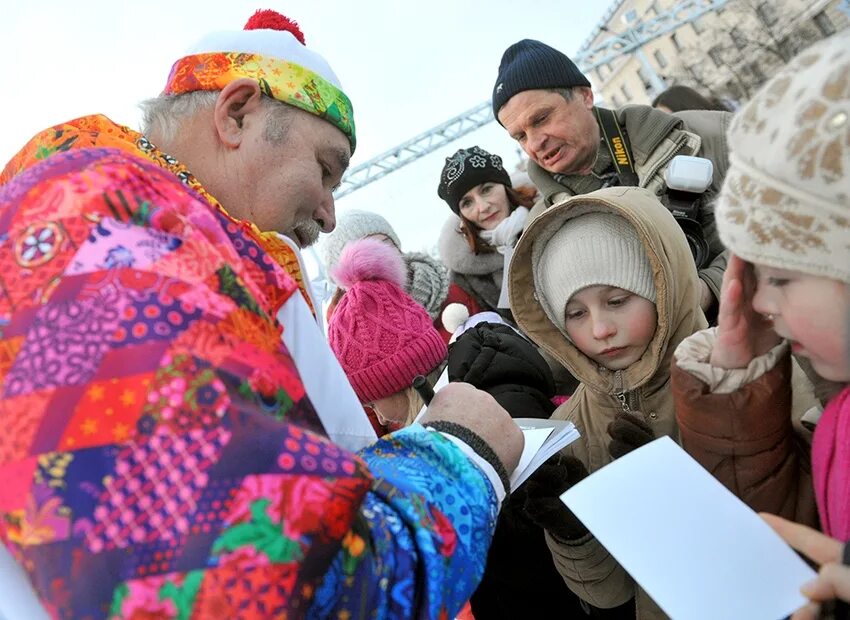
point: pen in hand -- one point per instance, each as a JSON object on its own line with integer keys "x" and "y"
{"x": 421, "y": 385}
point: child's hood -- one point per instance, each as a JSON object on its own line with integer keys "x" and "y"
{"x": 676, "y": 283}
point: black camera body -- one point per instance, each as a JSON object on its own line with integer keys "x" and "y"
{"x": 687, "y": 178}
{"x": 684, "y": 206}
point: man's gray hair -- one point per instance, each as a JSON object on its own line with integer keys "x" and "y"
{"x": 566, "y": 93}
{"x": 162, "y": 115}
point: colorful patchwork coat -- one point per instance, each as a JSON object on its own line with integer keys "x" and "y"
{"x": 159, "y": 457}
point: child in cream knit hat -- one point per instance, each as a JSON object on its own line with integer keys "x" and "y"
{"x": 605, "y": 283}
{"x": 784, "y": 212}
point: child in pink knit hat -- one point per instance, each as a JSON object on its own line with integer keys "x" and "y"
{"x": 381, "y": 336}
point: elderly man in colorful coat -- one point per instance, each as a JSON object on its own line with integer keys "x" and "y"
{"x": 176, "y": 436}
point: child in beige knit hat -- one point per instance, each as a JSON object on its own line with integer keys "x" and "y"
{"x": 606, "y": 284}
{"x": 784, "y": 212}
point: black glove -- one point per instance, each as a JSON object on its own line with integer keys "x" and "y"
{"x": 543, "y": 489}
{"x": 628, "y": 432}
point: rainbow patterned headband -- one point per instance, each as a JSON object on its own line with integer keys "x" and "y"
{"x": 285, "y": 81}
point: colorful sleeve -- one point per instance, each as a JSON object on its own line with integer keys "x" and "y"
{"x": 159, "y": 455}
{"x": 420, "y": 546}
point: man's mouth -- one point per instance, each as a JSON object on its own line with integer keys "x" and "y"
{"x": 551, "y": 156}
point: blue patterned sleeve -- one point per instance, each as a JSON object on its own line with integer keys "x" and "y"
{"x": 420, "y": 545}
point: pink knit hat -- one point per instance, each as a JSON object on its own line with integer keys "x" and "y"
{"x": 380, "y": 335}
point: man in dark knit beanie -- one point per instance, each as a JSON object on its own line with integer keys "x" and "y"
{"x": 546, "y": 104}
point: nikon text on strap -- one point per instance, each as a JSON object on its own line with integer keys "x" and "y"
{"x": 618, "y": 144}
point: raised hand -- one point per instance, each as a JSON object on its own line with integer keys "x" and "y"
{"x": 742, "y": 333}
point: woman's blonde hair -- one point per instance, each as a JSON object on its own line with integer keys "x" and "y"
{"x": 414, "y": 400}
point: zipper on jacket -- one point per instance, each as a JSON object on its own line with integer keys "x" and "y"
{"x": 628, "y": 400}
{"x": 620, "y": 393}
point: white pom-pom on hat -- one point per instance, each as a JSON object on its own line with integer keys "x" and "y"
{"x": 454, "y": 315}
{"x": 268, "y": 39}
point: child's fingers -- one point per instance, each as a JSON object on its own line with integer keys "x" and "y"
{"x": 811, "y": 543}
{"x": 729, "y": 313}
{"x": 735, "y": 266}
{"x": 736, "y": 269}
{"x": 810, "y": 611}
{"x": 832, "y": 582}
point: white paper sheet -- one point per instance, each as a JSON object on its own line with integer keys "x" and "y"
{"x": 700, "y": 552}
{"x": 543, "y": 438}
{"x": 534, "y": 439}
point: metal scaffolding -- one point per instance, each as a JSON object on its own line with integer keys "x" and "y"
{"x": 616, "y": 45}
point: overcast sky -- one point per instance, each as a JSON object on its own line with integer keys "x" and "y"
{"x": 407, "y": 66}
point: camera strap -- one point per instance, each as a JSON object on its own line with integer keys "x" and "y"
{"x": 618, "y": 145}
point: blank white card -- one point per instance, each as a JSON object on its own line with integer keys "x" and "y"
{"x": 699, "y": 551}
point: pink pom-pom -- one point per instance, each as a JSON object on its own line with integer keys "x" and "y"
{"x": 369, "y": 259}
{"x": 266, "y": 19}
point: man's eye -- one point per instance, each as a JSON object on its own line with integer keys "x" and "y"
{"x": 539, "y": 120}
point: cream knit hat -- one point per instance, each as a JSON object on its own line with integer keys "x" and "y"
{"x": 785, "y": 202}
{"x": 595, "y": 249}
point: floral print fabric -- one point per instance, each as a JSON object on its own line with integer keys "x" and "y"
{"x": 160, "y": 457}
{"x": 279, "y": 79}
{"x": 99, "y": 131}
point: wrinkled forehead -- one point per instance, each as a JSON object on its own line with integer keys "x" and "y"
{"x": 523, "y": 108}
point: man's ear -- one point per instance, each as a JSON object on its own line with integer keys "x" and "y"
{"x": 236, "y": 102}
{"x": 586, "y": 95}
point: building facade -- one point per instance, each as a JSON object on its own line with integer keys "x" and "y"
{"x": 726, "y": 53}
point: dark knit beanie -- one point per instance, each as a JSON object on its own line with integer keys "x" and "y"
{"x": 466, "y": 169}
{"x": 532, "y": 65}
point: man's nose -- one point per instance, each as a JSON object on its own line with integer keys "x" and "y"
{"x": 536, "y": 142}
{"x": 325, "y": 215}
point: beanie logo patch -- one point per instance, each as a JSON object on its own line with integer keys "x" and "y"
{"x": 454, "y": 168}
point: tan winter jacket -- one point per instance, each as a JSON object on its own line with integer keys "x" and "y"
{"x": 656, "y": 137}
{"x": 587, "y": 568}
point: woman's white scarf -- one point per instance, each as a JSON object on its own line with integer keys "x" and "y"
{"x": 504, "y": 238}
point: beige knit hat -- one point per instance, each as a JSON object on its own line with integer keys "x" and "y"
{"x": 595, "y": 249}
{"x": 785, "y": 202}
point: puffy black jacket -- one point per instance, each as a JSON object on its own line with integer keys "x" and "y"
{"x": 520, "y": 579}
{"x": 497, "y": 359}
